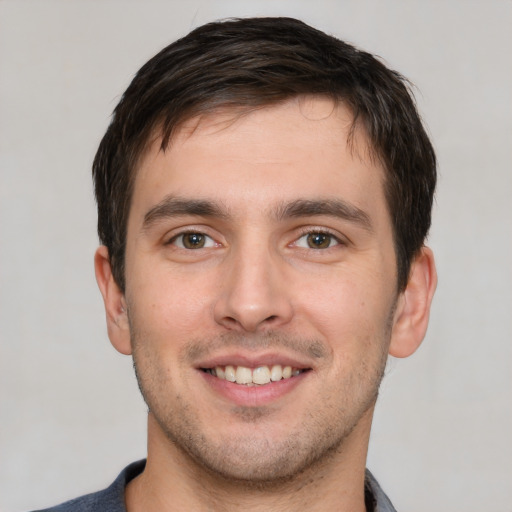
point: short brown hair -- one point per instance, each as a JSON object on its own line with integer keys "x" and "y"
{"x": 253, "y": 62}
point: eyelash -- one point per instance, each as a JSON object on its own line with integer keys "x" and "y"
{"x": 173, "y": 240}
{"x": 319, "y": 231}
{"x": 304, "y": 233}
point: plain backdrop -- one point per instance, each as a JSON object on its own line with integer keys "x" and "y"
{"x": 71, "y": 414}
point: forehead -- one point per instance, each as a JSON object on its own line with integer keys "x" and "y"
{"x": 302, "y": 146}
{"x": 311, "y": 113}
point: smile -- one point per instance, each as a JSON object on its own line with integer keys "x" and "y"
{"x": 254, "y": 376}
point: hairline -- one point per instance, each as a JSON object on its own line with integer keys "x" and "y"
{"x": 159, "y": 131}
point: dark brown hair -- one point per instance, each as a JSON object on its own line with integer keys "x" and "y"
{"x": 253, "y": 62}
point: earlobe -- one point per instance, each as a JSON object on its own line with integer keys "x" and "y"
{"x": 413, "y": 307}
{"x": 114, "y": 301}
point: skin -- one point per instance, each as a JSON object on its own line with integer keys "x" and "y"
{"x": 259, "y": 291}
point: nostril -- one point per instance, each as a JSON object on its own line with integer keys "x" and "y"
{"x": 230, "y": 321}
{"x": 233, "y": 323}
{"x": 251, "y": 311}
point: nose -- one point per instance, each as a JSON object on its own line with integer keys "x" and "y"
{"x": 254, "y": 294}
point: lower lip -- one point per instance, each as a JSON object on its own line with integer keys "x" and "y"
{"x": 253, "y": 396}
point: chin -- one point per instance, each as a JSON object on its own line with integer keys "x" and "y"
{"x": 264, "y": 458}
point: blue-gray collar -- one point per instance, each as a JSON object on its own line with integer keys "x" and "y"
{"x": 381, "y": 502}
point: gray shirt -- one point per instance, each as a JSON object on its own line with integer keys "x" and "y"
{"x": 111, "y": 499}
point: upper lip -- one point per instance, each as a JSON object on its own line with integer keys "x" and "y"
{"x": 254, "y": 360}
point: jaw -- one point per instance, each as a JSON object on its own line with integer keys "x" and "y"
{"x": 219, "y": 441}
{"x": 185, "y": 477}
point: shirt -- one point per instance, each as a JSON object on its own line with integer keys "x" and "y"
{"x": 111, "y": 499}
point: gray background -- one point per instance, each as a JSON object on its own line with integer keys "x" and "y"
{"x": 71, "y": 415}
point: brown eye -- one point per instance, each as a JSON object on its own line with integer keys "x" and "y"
{"x": 193, "y": 240}
{"x": 319, "y": 240}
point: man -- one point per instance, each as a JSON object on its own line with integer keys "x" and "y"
{"x": 264, "y": 193}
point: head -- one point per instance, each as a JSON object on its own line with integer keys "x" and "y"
{"x": 264, "y": 191}
{"x": 248, "y": 64}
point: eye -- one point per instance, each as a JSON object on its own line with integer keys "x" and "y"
{"x": 192, "y": 240}
{"x": 317, "y": 240}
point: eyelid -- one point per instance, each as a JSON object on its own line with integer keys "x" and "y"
{"x": 310, "y": 230}
{"x": 306, "y": 230}
{"x": 171, "y": 239}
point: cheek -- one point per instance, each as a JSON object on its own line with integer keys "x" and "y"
{"x": 169, "y": 309}
{"x": 347, "y": 306}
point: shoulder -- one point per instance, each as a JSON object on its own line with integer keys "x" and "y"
{"x": 375, "y": 497}
{"x": 110, "y": 499}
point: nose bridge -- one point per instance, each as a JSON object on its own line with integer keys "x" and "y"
{"x": 253, "y": 294}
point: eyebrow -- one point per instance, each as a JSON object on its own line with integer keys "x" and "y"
{"x": 172, "y": 206}
{"x": 328, "y": 207}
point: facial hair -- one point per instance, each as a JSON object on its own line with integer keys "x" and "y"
{"x": 251, "y": 458}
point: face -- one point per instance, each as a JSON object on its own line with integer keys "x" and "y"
{"x": 261, "y": 288}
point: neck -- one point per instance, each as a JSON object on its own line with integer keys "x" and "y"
{"x": 173, "y": 481}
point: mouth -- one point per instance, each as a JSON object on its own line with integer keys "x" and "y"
{"x": 258, "y": 376}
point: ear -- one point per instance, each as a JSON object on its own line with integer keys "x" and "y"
{"x": 413, "y": 307}
{"x": 115, "y": 304}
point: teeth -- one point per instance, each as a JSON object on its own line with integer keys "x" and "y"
{"x": 261, "y": 375}
{"x": 276, "y": 373}
{"x": 229, "y": 372}
{"x": 243, "y": 375}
